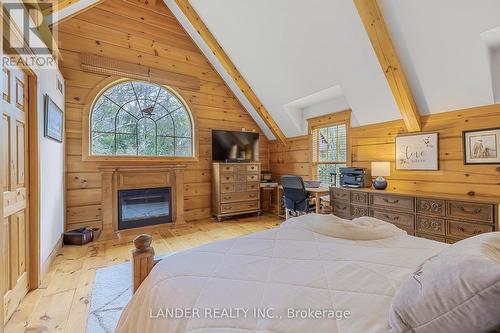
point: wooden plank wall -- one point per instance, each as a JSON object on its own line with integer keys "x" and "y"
{"x": 290, "y": 158}
{"x": 148, "y": 34}
{"x": 377, "y": 143}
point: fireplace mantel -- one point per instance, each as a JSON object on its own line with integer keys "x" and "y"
{"x": 115, "y": 178}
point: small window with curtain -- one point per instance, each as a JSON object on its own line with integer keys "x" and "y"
{"x": 329, "y": 152}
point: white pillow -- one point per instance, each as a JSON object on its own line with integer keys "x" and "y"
{"x": 458, "y": 290}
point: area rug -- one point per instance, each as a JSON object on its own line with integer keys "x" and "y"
{"x": 110, "y": 294}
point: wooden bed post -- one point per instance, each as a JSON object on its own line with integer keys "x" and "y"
{"x": 142, "y": 260}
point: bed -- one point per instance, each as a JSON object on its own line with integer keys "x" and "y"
{"x": 303, "y": 276}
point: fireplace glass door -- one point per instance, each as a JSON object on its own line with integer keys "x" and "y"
{"x": 143, "y": 207}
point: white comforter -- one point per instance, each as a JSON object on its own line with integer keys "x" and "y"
{"x": 271, "y": 281}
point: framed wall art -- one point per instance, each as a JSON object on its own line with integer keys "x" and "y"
{"x": 417, "y": 151}
{"x": 54, "y": 120}
{"x": 481, "y": 146}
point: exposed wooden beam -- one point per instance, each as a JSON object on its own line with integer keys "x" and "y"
{"x": 45, "y": 34}
{"x": 57, "y": 5}
{"x": 228, "y": 65}
{"x": 376, "y": 28}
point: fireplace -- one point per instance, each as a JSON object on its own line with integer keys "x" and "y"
{"x": 143, "y": 207}
{"x": 118, "y": 180}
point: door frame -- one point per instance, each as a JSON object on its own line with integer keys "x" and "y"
{"x": 34, "y": 276}
{"x": 33, "y": 190}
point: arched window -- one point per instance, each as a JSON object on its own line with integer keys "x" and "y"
{"x": 135, "y": 118}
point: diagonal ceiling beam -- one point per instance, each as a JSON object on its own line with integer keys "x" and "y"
{"x": 376, "y": 29}
{"x": 57, "y": 5}
{"x": 228, "y": 65}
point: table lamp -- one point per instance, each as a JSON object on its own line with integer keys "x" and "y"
{"x": 381, "y": 170}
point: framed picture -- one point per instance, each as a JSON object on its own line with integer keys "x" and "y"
{"x": 53, "y": 127}
{"x": 417, "y": 152}
{"x": 481, "y": 146}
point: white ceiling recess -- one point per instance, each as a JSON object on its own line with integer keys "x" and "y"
{"x": 291, "y": 50}
{"x": 443, "y": 51}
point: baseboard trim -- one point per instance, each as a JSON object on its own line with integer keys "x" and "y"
{"x": 52, "y": 256}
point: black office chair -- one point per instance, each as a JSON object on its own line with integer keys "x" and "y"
{"x": 296, "y": 197}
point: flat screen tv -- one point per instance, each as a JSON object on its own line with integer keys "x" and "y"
{"x": 229, "y": 146}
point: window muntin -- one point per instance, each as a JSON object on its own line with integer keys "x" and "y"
{"x": 329, "y": 151}
{"x": 135, "y": 118}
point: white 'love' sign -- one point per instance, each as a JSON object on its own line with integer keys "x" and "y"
{"x": 417, "y": 152}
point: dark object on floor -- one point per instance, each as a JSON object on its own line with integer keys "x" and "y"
{"x": 80, "y": 236}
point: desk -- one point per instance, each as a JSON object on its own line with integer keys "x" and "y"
{"x": 316, "y": 192}
{"x": 266, "y": 195}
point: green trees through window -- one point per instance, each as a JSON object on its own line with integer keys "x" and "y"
{"x": 329, "y": 152}
{"x": 136, "y": 118}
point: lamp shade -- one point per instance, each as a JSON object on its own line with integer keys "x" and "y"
{"x": 382, "y": 169}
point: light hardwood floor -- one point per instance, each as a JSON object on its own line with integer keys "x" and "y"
{"x": 62, "y": 304}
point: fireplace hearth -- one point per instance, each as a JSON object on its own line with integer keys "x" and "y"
{"x": 144, "y": 207}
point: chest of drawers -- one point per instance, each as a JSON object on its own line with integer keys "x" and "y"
{"x": 235, "y": 189}
{"x": 443, "y": 218}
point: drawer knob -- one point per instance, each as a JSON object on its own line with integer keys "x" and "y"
{"x": 253, "y": 195}
{"x": 393, "y": 218}
{"x": 467, "y": 211}
{"x": 461, "y": 229}
{"x": 227, "y": 198}
{"x": 395, "y": 201}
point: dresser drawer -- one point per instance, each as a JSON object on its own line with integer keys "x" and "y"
{"x": 227, "y": 178}
{"x": 341, "y": 209}
{"x": 252, "y": 186}
{"x": 227, "y": 168}
{"x": 358, "y": 211}
{"x": 240, "y": 177}
{"x": 431, "y": 206}
{"x": 464, "y": 229}
{"x": 360, "y": 198}
{"x": 409, "y": 230}
{"x": 232, "y": 197}
{"x": 431, "y": 225}
{"x": 402, "y": 219}
{"x": 239, "y": 207}
{"x": 227, "y": 188}
{"x": 471, "y": 211}
{"x": 339, "y": 194}
{"x": 392, "y": 201}
{"x": 252, "y": 169}
{"x": 241, "y": 169}
{"x": 253, "y": 178}
{"x": 431, "y": 237}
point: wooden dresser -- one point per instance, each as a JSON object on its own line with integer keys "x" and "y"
{"x": 440, "y": 217}
{"x": 236, "y": 189}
